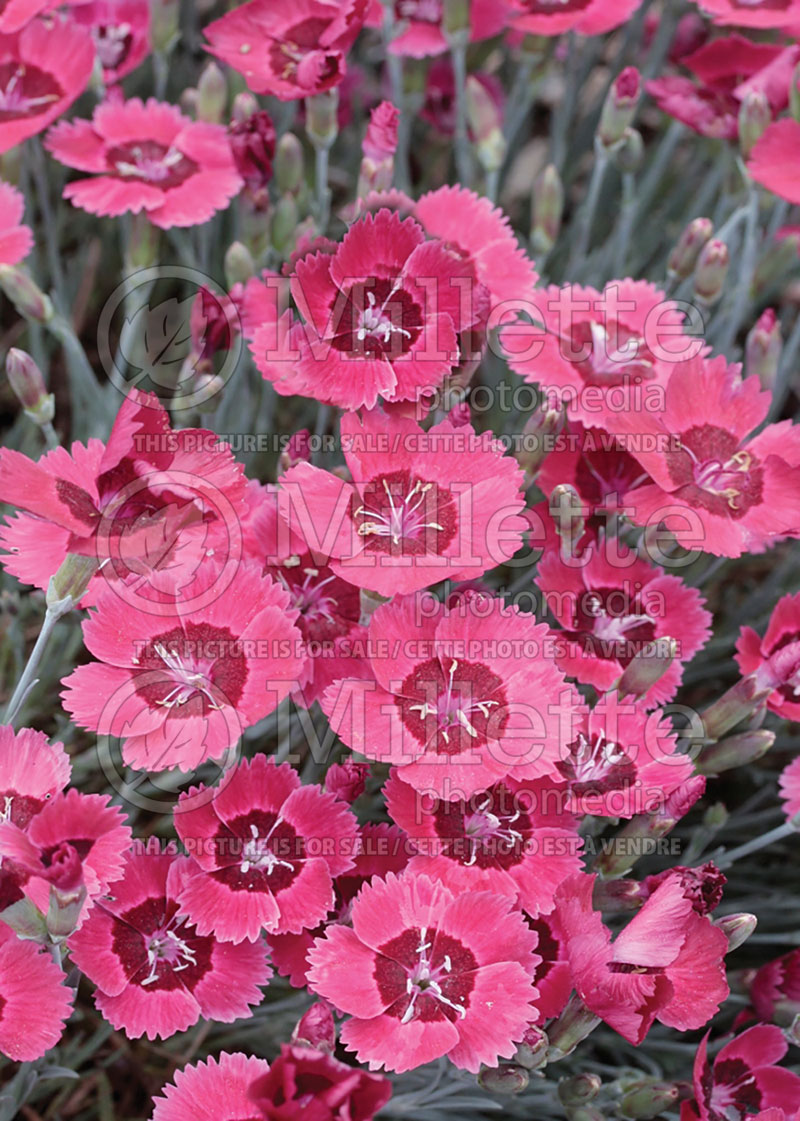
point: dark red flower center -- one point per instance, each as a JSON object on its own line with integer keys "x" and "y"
{"x": 455, "y": 709}
{"x": 192, "y": 669}
{"x": 379, "y": 319}
{"x": 608, "y": 354}
{"x": 152, "y": 162}
{"x": 611, "y": 624}
{"x": 555, "y": 7}
{"x": 731, "y": 1090}
{"x": 258, "y": 851}
{"x": 714, "y": 473}
{"x": 328, "y": 606}
{"x": 157, "y": 950}
{"x": 425, "y": 975}
{"x": 488, "y": 832}
{"x": 19, "y": 808}
{"x": 297, "y": 55}
{"x": 25, "y": 90}
{"x": 601, "y": 473}
{"x": 767, "y": 5}
{"x": 404, "y": 515}
{"x": 595, "y": 765}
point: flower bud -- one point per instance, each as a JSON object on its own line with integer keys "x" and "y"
{"x": 532, "y": 1051}
{"x": 212, "y": 94}
{"x": 316, "y": 1028}
{"x": 738, "y": 703}
{"x": 618, "y": 896}
{"x": 485, "y": 121}
{"x": 244, "y": 105}
{"x": 239, "y": 264}
{"x": 322, "y": 123}
{"x": 628, "y": 153}
{"x": 288, "y": 164}
{"x": 647, "y": 1098}
{"x": 716, "y": 816}
{"x": 683, "y": 258}
{"x": 284, "y": 223}
{"x": 164, "y": 19}
{"x": 737, "y": 928}
{"x": 754, "y": 117}
{"x": 570, "y": 1029}
{"x": 67, "y": 892}
{"x": 252, "y": 142}
{"x": 647, "y": 667}
{"x": 347, "y": 780}
{"x": 711, "y": 271}
{"x": 504, "y": 1079}
{"x": 455, "y": 17}
{"x": 25, "y": 295}
{"x": 539, "y": 427}
{"x": 567, "y": 510}
{"x": 69, "y": 583}
{"x": 27, "y": 382}
{"x": 640, "y": 835}
{"x": 579, "y": 1089}
{"x": 586, "y": 1113}
{"x": 764, "y": 348}
{"x": 619, "y": 107}
{"x": 734, "y": 751}
{"x": 548, "y": 209}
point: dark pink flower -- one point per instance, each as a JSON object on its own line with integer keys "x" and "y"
{"x": 266, "y": 851}
{"x": 702, "y": 885}
{"x": 457, "y": 698}
{"x": 666, "y": 964}
{"x": 425, "y": 973}
{"x": 16, "y": 13}
{"x": 180, "y": 685}
{"x": 380, "y": 141}
{"x": 43, "y": 68}
{"x": 288, "y": 51}
{"x": 147, "y": 156}
{"x": 155, "y": 974}
{"x": 754, "y": 13}
{"x": 552, "y": 976}
{"x": 419, "y": 25}
{"x": 303, "y": 1084}
{"x": 253, "y": 145}
{"x": 347, "y": 780}
{"x": 16, "y": 240}
{"x": 714, "y": 486}
{"x": 212, "y": 1090}
{"x": 613, "y": 605}
{"x": 422, "y": 506}
{"x": 34, "y": 1001}
{"x": 775, "y": 989}
{"x": 380, "y": 317}
{"x": 775, "y": 658}
{"x": 587, "y": 17}
{"x": 773, "y": 159}
{"x": 32, "y": 772}
{"x": 743, "y": 1078}
{"x": 121, "y": 33}
{"x": 790, "y": 789}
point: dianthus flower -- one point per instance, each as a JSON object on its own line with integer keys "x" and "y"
{"x": 775, "y": 658}
{"x": 419, "y": 25}
{"x": 15, "y": 239}
{"x": 586, "y": 17}
{"x": 212, "y": 1090}
{"x": 303, "y": 1084}
{"x": 17, "y": 13}
{"x": 121, "y": 33}
{"x": 34, "y": 1001}
{"x": 743, "y": 1078}
{"x": 789, "y": 783}
{"x": 754, "y": 13}
{"x": 773, "y": 159}
{"x": 775, "y": 989}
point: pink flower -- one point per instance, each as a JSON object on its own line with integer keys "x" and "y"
{"x": 380, "y": 317}
{"x": 587, "y": 17}
{"x": 458, "y": 698}
{"x": 34, "y": 1001}
{"x": 218, "y": 1088}
{"x": 600, "y": 353}
{"x": 419, "y": 25}
{"x": 773, "y": 159}
{"x": 422, "y": 506}
{"x": 121, "y": 33}
{"x": 775, "y": 658}
{"x": 552, "y": 976}
{"x": 714, "y": 487}
{"x": 789, "y": 783}
{"x": 122, "y": 502}
{"x": 666, "y": 964}
{"x": 180, "y": 683}
{"x": 32, "y": 771}
{"x": 425, "y": 973}
{"x": 623, "y": 761}
{"x": 775, "y": 989}
{"x": 16, "y": 240}
{"x": 613, "y": 606}
{"x": 380, "y": 142}
{"x": 347, "y": 780}
{"x": 43, "y": 68}
{"x": 266, "y": 850}
{"x": 155, "y": 974}
{"x": 304, "y": 1084}
{"x": 288, "y": 51}
{"x": 16, "y": 13}
{"x": 147, "y": 156}
{"x": 754, "y": 13}
{"x": 513, "y": 839}
{"x": 480, "y": 233}
{"x": 252, "y": 142}
{"x": 743, "y": 1078}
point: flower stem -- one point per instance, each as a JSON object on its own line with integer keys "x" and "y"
{"x": 746, "y": 273}
{"x": 458, "y": 53}
{"x": 584, "y": 233}
{"x": 788, "y": 829}
{"x": 28, "y": 678}
{"x": 322, "y": 189}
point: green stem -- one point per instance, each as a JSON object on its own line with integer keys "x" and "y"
{"x": 458, "y": 53}
{"x": 323, "y": 193}
{"x": 28, "y": 679}
{"x": 788, "y": 829}
{"x": 586, "y": 220}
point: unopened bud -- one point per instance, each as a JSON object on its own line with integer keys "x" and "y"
{"x": 620, "y": 106}
{"x": 539, "y": 427}
{"x": 322, "y": 123}
{"x": 579, "y": 1089}
{"x": 737, "y": 928}
{"x": 347, "y": 780}
{"x": 27, "y": 382}
{"x": 455, "y": 17}
{"x": 754, "y": 117}
{"x": 212, "y": 94}
{"x": 763, "y": 349}
{"x": 244, "y": 105}
{"x": 239, "y": 264}
{"x": 628, "y": 153}
{"x": 648, "y": 1098}
{"x": 566, "y": 510}
{"x": 734, "y": 751}
{"x": 486, "y": 124}
{"x": 585, "y": 1113}
{"x": 164, "y": 20}
{"x": 284, "y": 223}
{"x": 548, "y": 209}
{"x": 647, "y": 667}
{"x": 738, "y": 703}
{"x": 683, "y": 258}
{"x": 570, "y": 1029}
{"x": 716, "y": 816}
{"x": 69, "y": 583}
{"x": 288, "y": 168}
{"x": 25, "y": 295}
{"x": 532, "y": 1050}
{"x": 617, "y": 896}
{"x": 316, "y": 1028}
{"x": 67, "y": 892}
{"x": 711, "y": 271}
{"x": 504, "y": 1079}
{"x": 779, "y": 257}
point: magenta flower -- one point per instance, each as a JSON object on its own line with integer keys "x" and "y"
{"x": 714, "y": 486}
{"x": 587, "y": 17}
{"x": 303, "y": 1084}
{"x": 121, "y": 33}
{"x": 754, "y": 13}
{"x": 381, "y": 316}
{"x": 775, "y": 658}
{"x": 775, "y": 989}
{"x": 425, "y": 973}
{"x": 773, "y": 159}
{"x": 613, "y": 606}
{"x": 743, "y": 1079}
{"x": 180, "y": 684}
{"x": 422, "y": 506}
{"x": 789, "y": 783}
{"x": 600, "y": 353}
{"x": 16, "y": 240}
{"x": 265, "y": 849}
{"x": 667, "y": 964}
{"x": 147, "y": 156}
{"x": 288, "y": 51}
{"x": 513, "y": 839}
{"x": 211, "y": 1090}
{"x": 43, "y": 68}
{"x": 17, "y": 13}
{"x": 32, "y": 772}
{"x": 419, "y": 25}
{"x": 155, "y": 974}
{"x": 34, "y": 1001}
